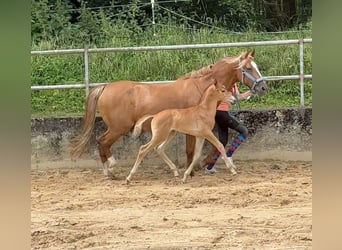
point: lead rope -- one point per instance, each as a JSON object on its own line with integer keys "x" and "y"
{"x": 237, "y": 101}
{"x": 235, "y": 94}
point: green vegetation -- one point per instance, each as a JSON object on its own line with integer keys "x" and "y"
{"x": 99, "y": 29}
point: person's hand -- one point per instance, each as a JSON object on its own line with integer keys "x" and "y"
{"x": 232, "y": 100}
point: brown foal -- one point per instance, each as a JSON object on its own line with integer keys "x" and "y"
{"x": 197, "y": 121}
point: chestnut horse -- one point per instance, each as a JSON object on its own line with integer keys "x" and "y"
{"x": 123, "y": 103}
{"x": 197, "y": 121}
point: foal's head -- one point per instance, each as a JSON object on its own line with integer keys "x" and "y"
{"x": 215, "y": 93}
{"x": 222, "y": 94}
{"x": 250, "y": 74}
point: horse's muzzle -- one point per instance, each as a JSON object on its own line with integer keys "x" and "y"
{"x": 261, "y": 88}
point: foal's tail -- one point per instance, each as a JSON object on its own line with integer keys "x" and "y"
{"x": 79, "y": 143}
{"x": 138, "y": 125}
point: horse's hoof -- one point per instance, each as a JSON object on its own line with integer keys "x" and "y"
{"x": 176, "y": 174}
{"x": 111, "y": 171}
{"x": 128, "y": 181}
{"x": 110, "y": 176}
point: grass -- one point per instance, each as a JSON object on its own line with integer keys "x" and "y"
{"x": 162, "y": 65}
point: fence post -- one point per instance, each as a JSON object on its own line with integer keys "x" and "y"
{"x": 86, "y": 70}
{"x": 301, "y": 71}
{"x": 153, "y": 18}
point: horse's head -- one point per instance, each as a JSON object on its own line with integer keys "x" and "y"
{"x": 250, "y": 74}
{"x": 242, "y": 68}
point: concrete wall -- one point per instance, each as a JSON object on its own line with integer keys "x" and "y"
{"x": 274, "y": 134}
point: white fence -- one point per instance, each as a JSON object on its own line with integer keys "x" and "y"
{"x": 301, "y": 76}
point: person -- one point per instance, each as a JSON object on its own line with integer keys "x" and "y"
{"x": 225, "y": 120}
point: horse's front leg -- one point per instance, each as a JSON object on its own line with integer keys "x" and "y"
{"x": 213, "y": 140}
{"x": 190, "y": 142}
{"x": 197, "y": 154}
{"x": 190, "y": 148}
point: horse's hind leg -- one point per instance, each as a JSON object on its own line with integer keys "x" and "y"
{"x": 144, "y": 149}
{"x": 209, "y": 156}
{"x": 160, "y": 150}
{"x": 105, "y": 142}
{"x": 190, "y": 148}
{"x": 157, "y": 139}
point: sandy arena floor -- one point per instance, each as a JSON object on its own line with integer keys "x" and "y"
{"x": 268, "y": 205}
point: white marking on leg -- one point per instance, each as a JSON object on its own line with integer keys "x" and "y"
{"x": 111, "y": 161}
{"x": 230, "y": 159}
{"x": 229, "y": 164}
{"x": 108, "y": 169}
{"x": 105, "y": 168}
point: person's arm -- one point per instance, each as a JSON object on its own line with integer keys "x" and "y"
{"x": 240, "y": 96}
{"x": 244, "y": 95}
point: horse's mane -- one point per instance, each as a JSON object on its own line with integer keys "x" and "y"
{"x": 230, "y": 59}
{"x": 198, "y": 73}
{"x": 208, "y": 69}
{"x": 237, "y": 59}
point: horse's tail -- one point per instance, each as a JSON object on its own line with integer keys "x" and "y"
{"x": 79, "y": 143}
{"x": 138, "y": 125}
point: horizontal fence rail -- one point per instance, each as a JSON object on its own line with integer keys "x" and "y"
{"x": 171, "y": 47}
{"x": 301, "y": 76}
{"x": 81, "y": 85}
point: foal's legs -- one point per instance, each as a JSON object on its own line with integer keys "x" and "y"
{"x": 144, "y": 149}
{"x": 198, "y": 150}
{"x": 161, "y": 152}
{"x": 213, "y": 140}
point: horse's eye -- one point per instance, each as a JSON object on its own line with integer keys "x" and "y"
{"x": 249, "y": 69}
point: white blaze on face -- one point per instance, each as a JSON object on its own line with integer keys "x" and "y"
{"x": 256, "y": 68}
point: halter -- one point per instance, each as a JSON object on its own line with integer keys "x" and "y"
{"x": 255, "y": 81}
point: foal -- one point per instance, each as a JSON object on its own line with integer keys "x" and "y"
{"x": 197, "y": 121}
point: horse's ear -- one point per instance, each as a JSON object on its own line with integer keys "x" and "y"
{"x": 244, "y": 55}
{"x": 251, "y": 53}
